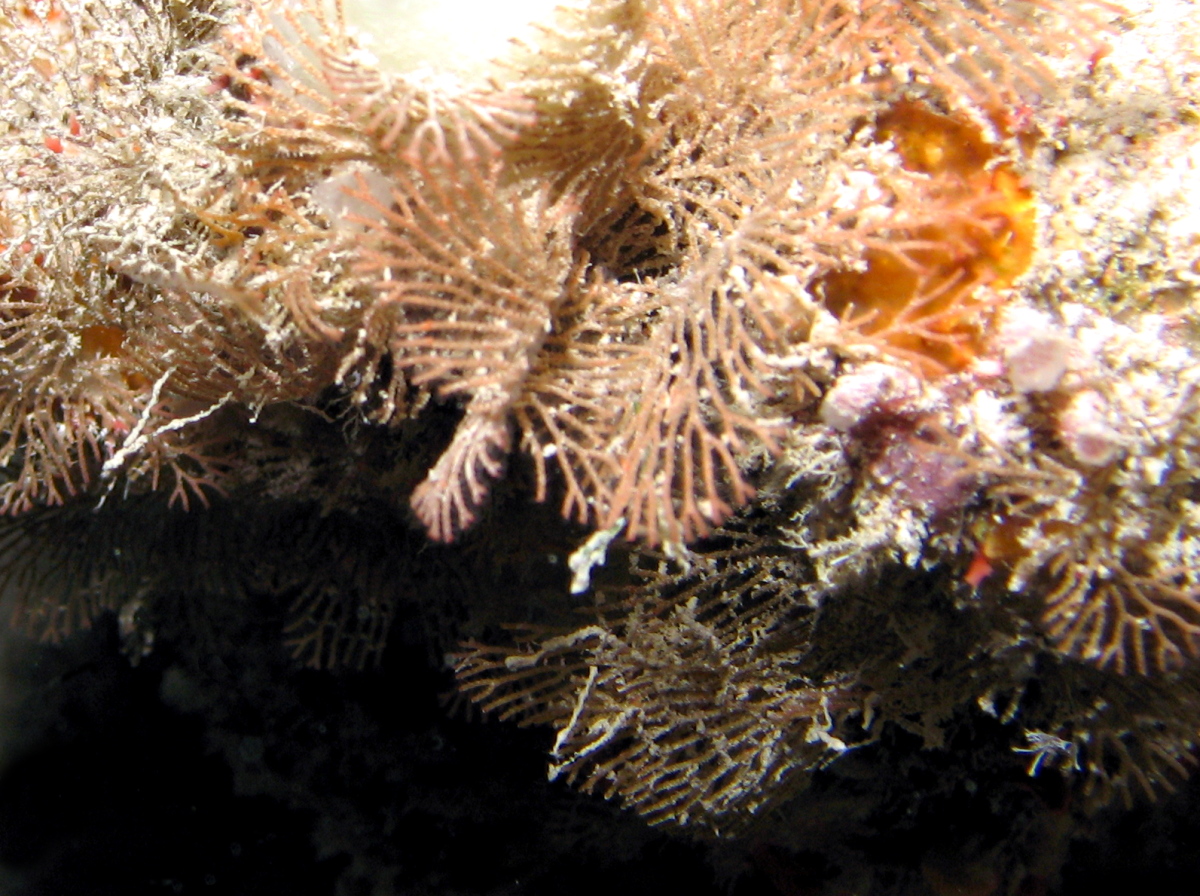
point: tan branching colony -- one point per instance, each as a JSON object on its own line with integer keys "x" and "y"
{"x": 688, "y": 702}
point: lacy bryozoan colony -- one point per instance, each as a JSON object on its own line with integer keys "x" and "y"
{"x": 861, "y": 334}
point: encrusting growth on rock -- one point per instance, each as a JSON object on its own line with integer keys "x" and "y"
{"x": 983, "y": 423}
{"x": 119, "y": 340}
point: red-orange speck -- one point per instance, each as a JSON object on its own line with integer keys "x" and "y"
{"x": 979, "y": 569}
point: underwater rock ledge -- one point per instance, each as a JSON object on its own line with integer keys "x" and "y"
{"x": 790, "y": 409}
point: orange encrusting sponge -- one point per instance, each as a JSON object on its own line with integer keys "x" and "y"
{"x": 968, "y": 222}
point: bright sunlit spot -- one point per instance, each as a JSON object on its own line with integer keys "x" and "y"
{"x": 459, "y": 35}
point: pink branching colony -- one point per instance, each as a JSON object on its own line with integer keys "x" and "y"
{"x": 604, "y": 254}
